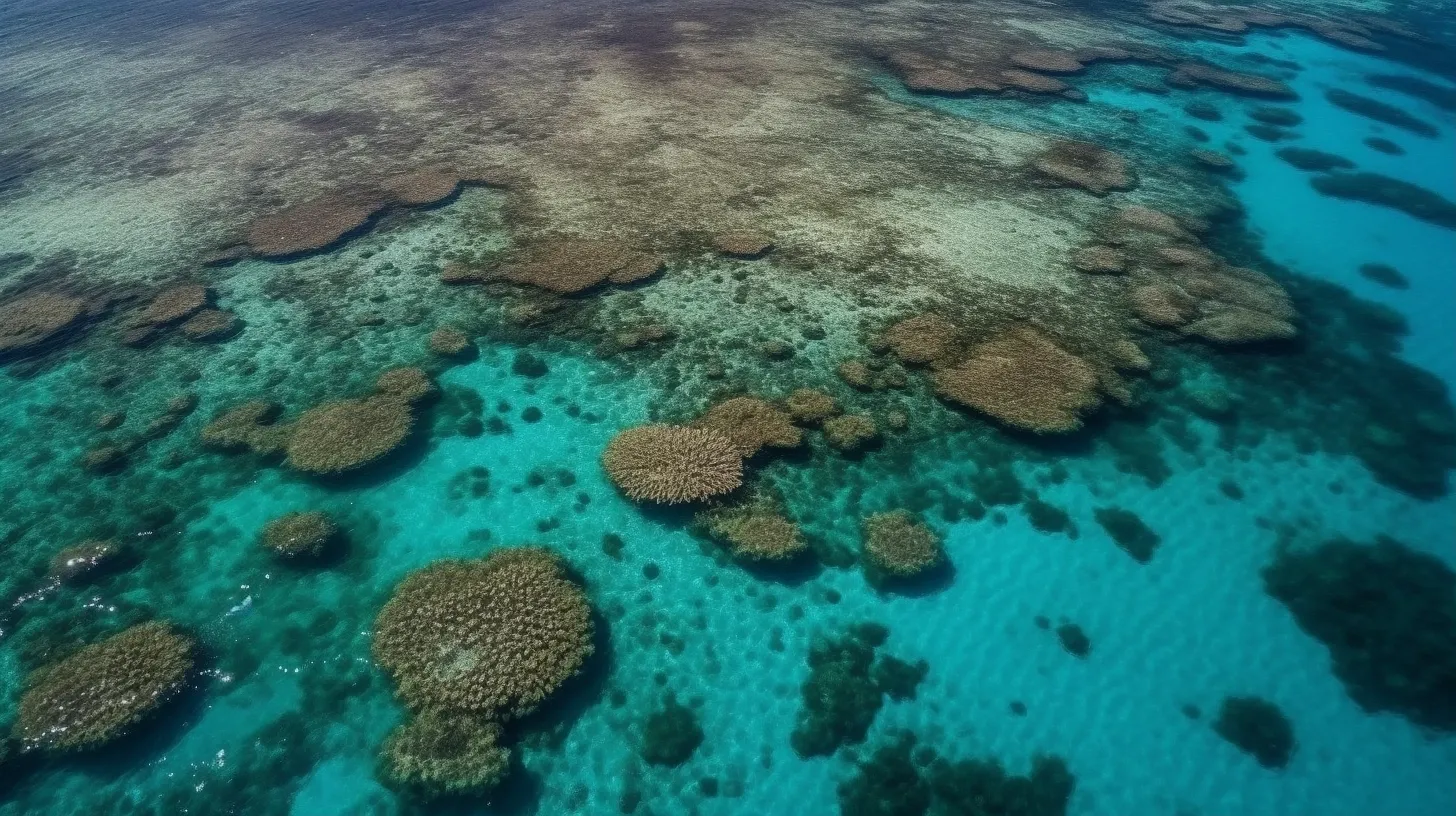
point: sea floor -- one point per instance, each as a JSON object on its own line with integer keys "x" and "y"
{"x": 292, "y": 713}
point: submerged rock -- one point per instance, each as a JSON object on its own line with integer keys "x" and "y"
{"x": 32, "y": 322}
{"x": 1381, "y": 112}
{"x": 1374, "y": 188}
{"x": 1084, "y": 165}
{"x": 1258, "y": 728}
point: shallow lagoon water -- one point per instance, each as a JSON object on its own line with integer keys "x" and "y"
{"x": 292, "y": 711}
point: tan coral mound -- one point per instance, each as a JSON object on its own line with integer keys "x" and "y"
{"x": 439, "y": 754}
{"x": 175, "y": 304}
{"x": 249, "y": 425}
{"x": 1032, "y": 82}
{"x": 447, "y": 341}
{"x": 850, "y": 432}
{"x": 1099, "y": 260}
{"x": 1186, "y": 73}
{"x": 671, "y": 464}
{"x": 1049, "y": 60}
{"x": 299, "y": 535}
{"x": 211, "y": 325}
{"x": 104, "y": 690}
{"x": 896, "y": 544}
{"x": 1081, "y": 164}
{"x": 338, "y": 437}
{"x": 410, "y": 384}
{"x": 421, "y": 187}
{"x": 571, "y": 265}
{"x": 922, "y": 338}
{"x": 1024, "y": 380}
{"x": 31, "y": 321}
{"x": 1237, "y": 325}
{"x": 752, "y": 424}
{"x": 756, "y": 532}
{"x": 1146, "y": 219}
{"x": 742, "y": 243}
{"x": 1162, "y": 305}
{"x": 312, "y": 225}
{"x": 491, "y": 637}
{"x": 809, "y": 405}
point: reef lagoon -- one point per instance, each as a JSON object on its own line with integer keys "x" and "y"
{"x": 869, "y": 408}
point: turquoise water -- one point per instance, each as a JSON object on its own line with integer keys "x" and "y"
{"x": 288, "y": 709}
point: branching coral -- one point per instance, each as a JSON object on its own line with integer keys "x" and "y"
{"x": 756, "y": 532}
{"x": 439, "y": 754}
{"x": 248, "y": 426}
{"x": 104, "y": 690}
{"x": 897, "y": 545}
{"x": 337, "y": 437}
{"x": 32, "y": 321}
{"x": 809, "y": 405}
{"x": 670, "y": 464}
{"x": 570, "y": 265}
{"x": 409, "y": 384}
{"x": 491, "y": 637}
{"x": 752, "y": 424}
{"x": 922, "y": 338}
{"x": 1080, "y": 164}
{"x": 299, "y": 535}
{"x": 1024, "y": 380}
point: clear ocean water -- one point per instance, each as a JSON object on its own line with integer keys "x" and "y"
{"x": 1219, "y": 583}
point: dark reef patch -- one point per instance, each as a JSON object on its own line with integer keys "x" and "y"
{"x": 846, "y": 689}
{"x": 1315, "y": 161}
{"x": 1268, "y": 133}
{"x": 671, "y": 734}
{"x": 1385, "y": 275}
{"x": 1133, "y": 535}
{"x": 1387, "y": 614}
{"x": 1258, "y": 728}
{"x": 1374, "y": 188}
{"x": 1442, "y": 96}
{"x": 1275, "y": 115}
{"x": 1074, "y": 640}
{"x": 1383, "y": 145}
{"x": 1381, "y": 112}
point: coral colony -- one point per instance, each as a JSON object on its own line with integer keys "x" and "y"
{"x": 888, "y": 409}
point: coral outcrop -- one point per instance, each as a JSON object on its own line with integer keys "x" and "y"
{"x": 407, "y": 383}
{"x": 809, "y": 405}
{"x": 210, "y": 326}
{"x": 752, "y": 424}
{"x": 338, "y": 437}
{"x": 438, "y": 754}
{"x": 671, "y": 464}
{"x": 105, "y": 689}
{"x": 921, "y": 339}
{"x": 743, "y": 244}
{"x": 491, "y": 638}
{"x": 448, "y": 341}
{"x": 850, "y": 432}
{"x": 1024, "y": 380}
{"x": 35, "y": 321}
{"x": 572, "y": 265}
{"x": 1099, "y": 259}
{"x": 755, "y": 532}
{"x": 1258, "y": 728}
{"x": 300, "y": 535}
{"x": 1085, "y": 165}
{"x": 897, "y": 545}
{"x": 312, "y": 225}
{"x": 80, "y": 562}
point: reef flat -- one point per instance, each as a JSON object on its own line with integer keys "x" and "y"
{"x": 703, "y": 407}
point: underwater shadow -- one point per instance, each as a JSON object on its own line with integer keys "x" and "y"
{"x": 930, "y": 582}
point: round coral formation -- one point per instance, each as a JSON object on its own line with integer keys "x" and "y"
{"x": 32, "y": 321}
{"x": 1099, "y": 260}
{"x": 299, "y": 535}
{"x": 104, "y": 690}
{"x": 671, "y": 464}
{"x": 897, "y": 545}
{"x": 438, "y": 754}
{"x": 342, "y": 436}
{"x": 449, "y": 342}
{"x": 1024, "y": 380}
{"x": 211, "y": 325}
{"x": 247, "y": 426}
{"x": 1236, "y": 326}
{"x": 850, "y": 432}
{"x": 491, "y": 637}
{"x": 571, "y": 265}
{"x": 175, "y": 304}
{"x": 757, "y": 533}
{"x": 311, "y": 225}
{"x": 752, "y": 424}
{"x": 742, "y": 243}
{"x": 80, "y": 561}
{"x": 1079, "y": 164}
{"x": 922, "y": 338}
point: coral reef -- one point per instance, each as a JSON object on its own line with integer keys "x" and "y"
{"x": 1442, "y": 96}
{"x": 211, "y": 326}
{"x": 755, "y": 532}
{"x": 671, "y": 734}
{"x": 300, "y": 535}
{"x": 1258, "y": 728}
{"x": 1099, "y": 260}
{"x": 1190, "y": 74}
{"x": 492, "y": 637}
{"x": 1237, "y": 325}
{"x": 1084, "y": 165}
{"x": 751, "y": 424}
{"x": 670, "y": 464}
{"x": 338, "y": 437}
{"x": 850, "y": 432}
{"x": 448, "y": 341}
{"x": 897, "y": 545}
{"x": 175, "y": 304}
{"x": 1074, "y": 640}
{"x": 841, "y": 697}
{"x": 975, "y": 786}
{"x": 1374, "y": 188}
{"x": 1387, "y": 614}
{"x": 312, "y": 225}
{"x": 743, "y": 244}
{"x": 1381, "y": 112}
{"x": 808, "y": 405}
{"x": 921, "y": 339}
{"x": 1385, "y": 275}
{"x": 81, "y": 562}
{"x": 436, "y": 754}
{"x": 105, "y": 689}
{"x": 409, "y": 384}
{"x": 247, "y": 427}
{"x": 1024, "y": 380}
{"x": 32, "y": 322}
{"x": 1314, "y": 161}
{"x": 572, "y": 265}
{"x": 1130, "y": 532}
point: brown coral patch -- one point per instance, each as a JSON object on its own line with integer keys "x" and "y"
{"x": 743, "y": 244}
{"x": 922, "y": 338}
{"x": 757, "y": 532}
{"x": 1024, "y": 380}
{"x": 571, "y": 265}
{"x": 809, "y": 405}
{"x": 343, "y": 436}
{"x": 447, "y": 341}
{"x": 1048, "y": 60}
{"x": 670, "y": 464}
{"x": 175, "y": 304}
{"x": 850, "y": 432}
{"x": 1238, "y": 326}
{"x": 312, "y": 225}
{"x": 1086, "y": 166}
{"x": 31, "y": 322}
{"x": 752, "y": 424}
{"x": 421, "y": 187}
{"x": 898, "y": 545}
{"x": 1162, "y": 305}
{"x": 211, "y": 326}
{"x": 408, "y": 383}
{"x": 1099, "y": 260}
{"x": 1186, "y": 73}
